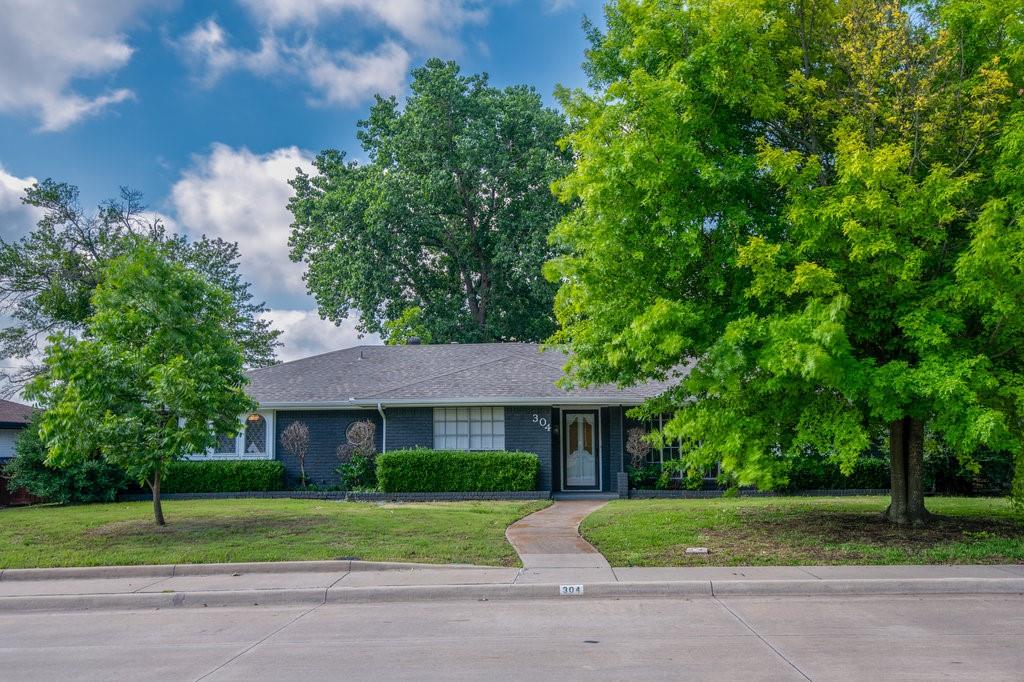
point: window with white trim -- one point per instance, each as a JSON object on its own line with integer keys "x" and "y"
{"x": 253, "y": 441}
{"x": 469, "y": 428}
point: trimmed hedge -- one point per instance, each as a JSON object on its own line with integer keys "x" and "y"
{"x": 223, "y": 476}
{"x": 456, "y": 471}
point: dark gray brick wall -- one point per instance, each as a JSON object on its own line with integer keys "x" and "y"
{"x": 326, "y": 433}
{"x": 410, "y": 427}
{"x": 525, "y": 435}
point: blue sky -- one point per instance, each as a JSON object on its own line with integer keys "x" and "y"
{"x": 208, "y": 108}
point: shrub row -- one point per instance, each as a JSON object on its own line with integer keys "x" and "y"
{"x": 223, "y": 476}
{"x": 90, "y": 480}
{"x": 815, "y": 472}
{"x": 443, "y": 471}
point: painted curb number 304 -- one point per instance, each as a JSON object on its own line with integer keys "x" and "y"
{"x": 570, "y": 589}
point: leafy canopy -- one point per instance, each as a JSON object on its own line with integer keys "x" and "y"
{"x": 444, "y": 230}
{"x": 47, "y": 279}
{"x": 815, "y": 204}
{"x": 156, "y": 373}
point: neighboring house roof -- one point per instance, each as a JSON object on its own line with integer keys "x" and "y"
{"x": 510, "y": 373}
{"x": 14, "y": 414}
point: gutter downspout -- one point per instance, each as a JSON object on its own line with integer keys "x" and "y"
{"x": 384, "y": 427}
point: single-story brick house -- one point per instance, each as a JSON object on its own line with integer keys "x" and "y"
{"x": 495, "y": 396}
{"x": 13, "y": 418}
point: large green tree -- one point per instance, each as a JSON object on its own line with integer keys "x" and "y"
{"x": 814, "y": 207}
{"x": 47, "y": 278}
{"x": 155, "y": 375}
{"x": 446, "y": 225}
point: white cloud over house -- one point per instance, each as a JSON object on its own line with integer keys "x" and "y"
{"x": 305, "y": 334}
{"x": 242, "y": 196}
{"x": 49, "y": 52}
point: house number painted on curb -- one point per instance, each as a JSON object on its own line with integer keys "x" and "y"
{"x": 570, "y": 589}
{"x": 542, "y": 422}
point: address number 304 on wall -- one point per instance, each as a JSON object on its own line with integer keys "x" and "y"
{"x": 542, "y": 422}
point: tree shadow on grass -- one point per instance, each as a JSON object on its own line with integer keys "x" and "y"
{"x": 831, "y": 537}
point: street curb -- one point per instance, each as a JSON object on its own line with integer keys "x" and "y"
{"x": 867, "y": 586}
{"x": 172, "y": 570}
{"x": 506, "y": 591}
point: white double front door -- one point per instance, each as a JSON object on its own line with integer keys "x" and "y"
{"x": 580, "y": 450}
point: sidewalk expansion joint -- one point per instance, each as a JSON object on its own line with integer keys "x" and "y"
{"x": 763, "y": 640}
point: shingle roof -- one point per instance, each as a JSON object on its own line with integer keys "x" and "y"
{"x": 14, "y": 413}
{"x": 510, "y": 372}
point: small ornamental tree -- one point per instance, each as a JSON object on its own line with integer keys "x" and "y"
{"x": 156, "y": 373}
{"x": 637, "y": 446}
{"x": 358, "y": 456}
{"x": 295, "y": 440}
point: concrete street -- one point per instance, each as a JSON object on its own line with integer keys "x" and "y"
{"x": 732, "y": 638}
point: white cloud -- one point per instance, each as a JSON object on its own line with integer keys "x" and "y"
{"x": 207, "y": 45}
{"x": 242, "y": 197}
{"x": 45, "y": 46}
{"x": 430, "y": 24}
{"x": 553, "y": 6}
{"x": 306, "y": 334}
{"x": 16, "y": 219}
{"x": 336, "y": 76}
{"x": 345, "y": 78}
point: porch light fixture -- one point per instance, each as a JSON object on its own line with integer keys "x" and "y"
{"x": 253, "y": 417}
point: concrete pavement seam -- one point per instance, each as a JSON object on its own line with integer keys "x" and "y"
{"x": 149, "y": 585}
{"x": 258, "y": 642}
{"x": 763, "y": 640}
{"x": 328, "y": 588}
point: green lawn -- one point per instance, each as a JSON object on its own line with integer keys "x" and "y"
{"x": 203, "y": 531}
{"x": 807, "y": 531}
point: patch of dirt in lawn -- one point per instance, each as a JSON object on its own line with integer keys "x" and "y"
{"x": 240, "y": 525}
{"x": 828, "y": 537}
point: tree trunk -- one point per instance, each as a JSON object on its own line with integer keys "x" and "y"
{"x": 906, "y": 452}
{"x": 158, "y": 512}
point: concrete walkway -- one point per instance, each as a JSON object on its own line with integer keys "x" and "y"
{"x": 551, "y": 549}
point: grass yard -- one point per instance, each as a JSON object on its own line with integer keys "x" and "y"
{"x": 802, "y": 531}
{"x": 206, "y": 531}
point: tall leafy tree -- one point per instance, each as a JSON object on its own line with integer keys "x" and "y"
{"x": 447, "y": 223}
{"x": 157, "y": 372}
{"x": 47, "y": 279}
{"x": 815, "y": 207}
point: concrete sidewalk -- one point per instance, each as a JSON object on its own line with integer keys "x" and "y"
{"x": 322, "y": 582}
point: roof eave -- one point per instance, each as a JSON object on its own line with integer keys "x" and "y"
{"x": 478, "y": 400}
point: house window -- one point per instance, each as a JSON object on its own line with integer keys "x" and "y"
{"x": 255, "y": 440}
{"x": 670, "y": 450}
{"x": 469, "y": 428}
{"x": 225, "y": 445}
{"x": 255, "y": 435}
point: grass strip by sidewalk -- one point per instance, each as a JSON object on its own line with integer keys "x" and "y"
{"x": 208, "y": 531}
{"x": 802, "y": 531}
